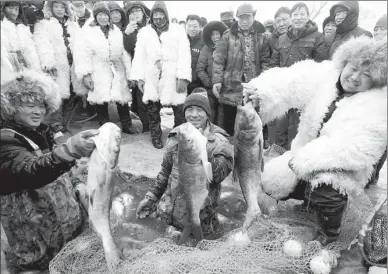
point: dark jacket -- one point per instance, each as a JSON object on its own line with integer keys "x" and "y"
{"x": 196, "y": 44}
{"x": 81, "y": 20}
{"x": 309, "y": 44}
{"x": 229, "y": 61}
{"x": 19, "y": 165}
{"x": 273, "y": 40}
{"x": 349, "y": 27}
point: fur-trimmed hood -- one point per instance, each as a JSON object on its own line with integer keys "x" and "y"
{"x": 365, "y": 50}
{"x": 20, "y": 19}
{"x": 114, "y": 6}
{"x": 351, "y": 20}
{"x": 140, "y": 4}
{"x": 209, "y": 28}
{"x": 48, "y": 9}
{"x": 28, "y": 85}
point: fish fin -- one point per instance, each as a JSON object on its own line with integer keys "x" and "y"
{"x": 235, "y": 175}
{"x": 261, "y": 160}
{"x": 262, "y": 165}
{"x": 91, "y": 198}
{"x": 208, "y": 171}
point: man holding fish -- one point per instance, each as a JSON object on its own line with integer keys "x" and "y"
{"x": 168, "y": 195}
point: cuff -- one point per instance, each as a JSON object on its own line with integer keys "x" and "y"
{"x": 63, "y": 153}
{"x": 150, "y": 196}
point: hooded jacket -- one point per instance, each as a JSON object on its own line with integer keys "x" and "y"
{"x": 205, "y": 61}
{"x": 114, "y": 6}
{"x": 229, "y": 61}
{"x": 18, "y": 49}
{"x": 171, "y": 47}
{"x": 131, "y": 39}
{"x": 82, "y": 20}
{"x": 341, "y": 152}
{"x": 309, "y": 44}
{"x": 349, "y": 27}
{"x": 52, "y": 50}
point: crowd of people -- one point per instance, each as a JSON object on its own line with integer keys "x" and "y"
{"x": 321, "y": 96}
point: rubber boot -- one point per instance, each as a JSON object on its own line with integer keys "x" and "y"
{"x": 153, "y": 109}
{"x": 125, "y": 119}
{"x": 329, "y": 228}
{"x": 179, "y": 116}
{"x": 142, "y": 111}
{"x": 103, "y": 114}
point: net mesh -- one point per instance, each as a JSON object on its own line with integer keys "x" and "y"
{"x": 263, "y": 253}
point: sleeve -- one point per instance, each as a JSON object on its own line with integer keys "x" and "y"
{"x": 127, "y": 59}
{"x": 44, "y": 47}
{"x": 201, "y": 68}
{"x": 139, "y": 59}
{"x": 220, "y": 58}
{"x": 183, "y": 70}
{"x": 321, "y": 49}
{"x": 27, "y": 171}
{"x": 129, "y": 42}
{"x": 161, "y": 182}
{"x": 83, "y": 55}
{"x": 222, "y": 163}
{"x": 265, "y": 55}
{"x": 275, "y": 56}
{"x": 281, "y": 89}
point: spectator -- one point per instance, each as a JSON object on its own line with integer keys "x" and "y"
{"x": 345, "y": 14}
{"x": 227, "y": 17}
{"x": 301, "y": 41}
{"x": 194, "y": 34}
{"x": 211, "y": 35}
{"x": 117, "y": 15}
{"x": 329, "y": 27}
{"x": 138, "y": 16}
{"x": 33, "y": 12}
{"x": 203, "y": 22}
{"x": 282, "y": 22}
{"x": 81, "y": 12}
{"x": 183, "y": 24}
{"x": 241, "y": 55}
{"x": 380, "y": 30}
{"x": 174, "y": 21}
{"x": 269, "y": 28}
{"x": 161, "y": 66}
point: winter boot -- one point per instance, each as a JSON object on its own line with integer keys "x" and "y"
{"x": 103, "y": 114}
{"x": 146, "y": 128}
{"x": 125, "y": 119}
{"x": 179, "y": 116}
{"x": 329, "y": 228}
{"x": 153, "y": 109}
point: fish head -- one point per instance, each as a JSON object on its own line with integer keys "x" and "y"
{"x": 108, "y": 143}
{"x": 248, "y": 123}
{"x": 190, "y": 141}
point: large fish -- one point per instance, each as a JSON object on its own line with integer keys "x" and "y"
{"x": 195, "y": 173}
{"x": 102, "y": 168}
{"x": 248, "y": 161}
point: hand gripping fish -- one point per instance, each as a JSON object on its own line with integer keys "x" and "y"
{"x": 195, "y": 174}
{"x": 102, "y": 167}
{"x": 248, "y": 161}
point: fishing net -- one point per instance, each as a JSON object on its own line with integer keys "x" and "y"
{"x": 231, "y": 253}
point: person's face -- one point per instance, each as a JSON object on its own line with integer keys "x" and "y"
{"x": 30, "y": 114}
{"x": 159, "y": 18}
{"x": 79, "y": 8}
{"x": 216, "y": 37}
{"x": 282, "y": 22}
{"x": 268, "y": 32}
{"x": 380, "y": 33}
{"x": 228, "y": 22}
{"x": 340, "y": 16}
{"x": 299, "y": 18}
{"x": 78, "y": 4}
{"x": 136, "y": 14}
{"x": 102, "y": 19}
{"x": 193, "y": 28}
{"x": 330, "y": 28}
{"x": 116, "y": 16}
{"x": 355, "y": 78}
{"x": 245, "y": 21}
{"x": 59, "y": 10}
{"x": 196, "y": 116}
{"x": 12, "y": 12}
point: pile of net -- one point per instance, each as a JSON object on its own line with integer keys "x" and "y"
{"x": 263, "y": 253}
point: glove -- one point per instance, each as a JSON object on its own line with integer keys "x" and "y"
{"x": 88, "y": 82}
{"x": 181, "y": 85}
{"x": 217, "y": 90}
{"x": 131, "y": 27}
{"x": 140, "y": 85}
{"x": 146, "y": 206}
{"x": 80, "y": 145}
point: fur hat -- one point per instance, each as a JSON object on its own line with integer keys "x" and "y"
{"x": 198, "y": 98}
{"x": 209, "y": 28}
{"x": 227, "y": 15}
{"x": 367, "y": 51}
{"x": 28, "y": 86}
{"x": 48, "y": 9}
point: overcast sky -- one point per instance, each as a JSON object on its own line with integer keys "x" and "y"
{"x": 370, "y": 11}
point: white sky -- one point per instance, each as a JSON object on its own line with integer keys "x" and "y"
{"x": 370, "y": 11}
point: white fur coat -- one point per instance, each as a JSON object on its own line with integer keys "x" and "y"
{"x": 108, "y": 63}
{"x": 172, "y": 48}
{"x": 52, "y": 51}
{"x": 350, "y": 143}
{"x": 16, "y": 38}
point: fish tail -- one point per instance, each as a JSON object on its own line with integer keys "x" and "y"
{"x": 185, "y": 234}
{"x": 196, "y": 230}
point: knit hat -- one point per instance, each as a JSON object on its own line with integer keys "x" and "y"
{"x": 368, "y": 51}
{"x": 382, "y": 22}
{"x": 227, "y": 15}
{"x": 245, "y": 9}
{"x": 28, "y": 86}
{"x": 100, "y": 7}
{"x": 198, "y": 98}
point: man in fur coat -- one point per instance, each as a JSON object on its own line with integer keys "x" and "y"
{"x": 342, "y": 132}
{"x": 162, "y": 68}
